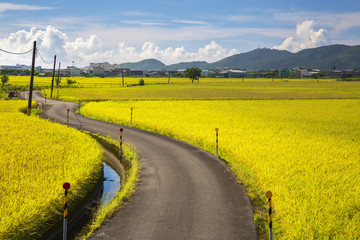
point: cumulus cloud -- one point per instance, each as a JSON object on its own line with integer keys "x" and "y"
{"x": 51, "y": 41}
{"x": 305, "y": 37}
{"x": 211, "y": 53}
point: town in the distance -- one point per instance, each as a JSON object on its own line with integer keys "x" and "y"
{"x": 333, "y": 61}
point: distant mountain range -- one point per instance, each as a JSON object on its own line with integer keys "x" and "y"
{"x": 341, "y": 57}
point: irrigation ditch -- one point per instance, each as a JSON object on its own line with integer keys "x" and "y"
{"x": 106, "y": 188}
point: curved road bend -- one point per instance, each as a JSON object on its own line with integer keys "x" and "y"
{"x": 184, "y": 192}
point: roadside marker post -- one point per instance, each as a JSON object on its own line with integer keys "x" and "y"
{"x": 67, "y": 116}
{"x": 217, "y": 142}
{"x": 66, "y": 186}
{"x": 268, "y": 194}
{"x": 131, "y": 116}
{"x": 121, "y": 151}
{"x": 45, "y": 101}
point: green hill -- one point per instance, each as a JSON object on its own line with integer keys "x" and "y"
{"x": 147, "y": 64}
{"x": 341, "y": 57}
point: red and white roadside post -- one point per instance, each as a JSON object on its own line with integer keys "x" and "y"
{"x": 66, "y": 186}
{"x": 121, "y": 151}
{"x": 67, "y": 116}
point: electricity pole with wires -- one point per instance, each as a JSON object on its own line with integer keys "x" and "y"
{"x": 53, "y": 76}
{"x": 31, "y": 79}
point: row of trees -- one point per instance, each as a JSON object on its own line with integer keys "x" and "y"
{"x": 15, "y": 72}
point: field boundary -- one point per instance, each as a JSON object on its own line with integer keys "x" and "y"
{"x": 128, "y": 171}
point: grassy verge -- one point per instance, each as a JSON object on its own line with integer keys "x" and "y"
{"x": 132, "y": 167}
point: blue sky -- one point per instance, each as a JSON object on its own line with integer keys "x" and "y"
{"x": 171, "y": 31}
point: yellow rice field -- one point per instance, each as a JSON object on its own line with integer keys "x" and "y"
{"x": 307, "y": 152}
{"x": 36, "y": 158}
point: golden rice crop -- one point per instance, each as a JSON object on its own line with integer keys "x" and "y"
{"x": 110, "y": 88}
{"x": 36, "y": 158}
{"x": 251, "y": 89}
{"x": 306, "y": 152}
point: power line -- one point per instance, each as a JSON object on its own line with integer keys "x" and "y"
{"x": 37, "y": 51}
{"x": 14, "y": 53}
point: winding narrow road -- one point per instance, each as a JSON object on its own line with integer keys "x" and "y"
{"x": 183, "y": 193}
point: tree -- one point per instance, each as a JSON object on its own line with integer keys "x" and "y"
{"x": 192, "y": 73}
{"x": 4, "y": 79}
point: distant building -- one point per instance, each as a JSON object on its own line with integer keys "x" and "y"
{"x": 205, "y": 73}
{"x": 17, "y": 66}
{"x": 20, "y": 67}
{"x": 154, "y": 74}
{"x": 136, "y": 72}
{"x": 300, "y": 72}
{"x": 98, "y": 71}
{"x": 73, "y": 71}
{"x": 285, "y": 73}
{"x": 105, "y": 66}
{"x": 236, "y": 73}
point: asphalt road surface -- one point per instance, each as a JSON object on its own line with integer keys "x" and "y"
{"x": 184, "y": 192}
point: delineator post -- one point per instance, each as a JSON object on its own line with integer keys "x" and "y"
{"x": 67, "y": 116}
{"x": 268, "y": 194}
{"x": 121, "y": 151}
{"x": 131, "y": 116}
{"x": 217, "y": 142}
{"x": 66, "y": 186}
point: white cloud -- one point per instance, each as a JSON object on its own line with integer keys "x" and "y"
{"x": 210, "y": 53}
{"x": 190, "y": 22}
{"x": 239, "y": 18}
{"x": 10, "y": 6}
{"x": 145, "y": 23}
{"x": 337, "y": 21}
{"x": 214, "y": 50}
{"x": 305, "y": 37}
{"x": 52, "y": 41}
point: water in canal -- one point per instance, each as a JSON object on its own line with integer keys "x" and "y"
{"x": 111, "y": 185}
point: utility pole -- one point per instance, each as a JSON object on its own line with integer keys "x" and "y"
{"x": 53, "y": 76}
{"x": 58, "y": 76}
{"x": 57, "y": 82}
{"x": 31, "y": 79}
{"x": 122, "y": 74}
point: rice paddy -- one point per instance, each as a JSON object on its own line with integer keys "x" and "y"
{"x": 36, "y": 158}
